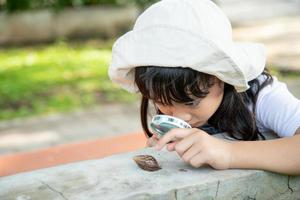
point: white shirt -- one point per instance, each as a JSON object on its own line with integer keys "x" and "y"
{"x": 277, "y": 109}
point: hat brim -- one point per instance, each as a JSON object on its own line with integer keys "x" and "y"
{"x": 236, "y": 64}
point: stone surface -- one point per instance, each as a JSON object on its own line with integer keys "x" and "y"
{"x": 118, "y": 177}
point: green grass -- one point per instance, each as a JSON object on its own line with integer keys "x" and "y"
{"x": 56, "y": 78}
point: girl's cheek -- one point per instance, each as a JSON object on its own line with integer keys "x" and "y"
{"x": 164, "y": 110}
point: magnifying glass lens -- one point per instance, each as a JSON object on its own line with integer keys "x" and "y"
{"x": 162, "y": 128}
{"x": 161, "y": 124}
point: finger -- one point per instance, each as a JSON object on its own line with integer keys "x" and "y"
{"x": 173, "y": 135}
{"x": 152, "y": 141}
{"x": 198, "y": 160}
{"x": 171, "y": 146}
{"x": 154, "y": 135}
{"x": 190, "y": 153}
{"x": 183, "y": 144}
{"x": 188, "y": 142}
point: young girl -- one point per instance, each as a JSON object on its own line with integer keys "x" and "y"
{"x": 181, "y": 57}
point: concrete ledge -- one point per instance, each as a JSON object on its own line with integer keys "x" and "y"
{"x": 118, "y": 177}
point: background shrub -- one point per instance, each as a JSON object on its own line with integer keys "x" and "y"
{"x": 18, "y": 5}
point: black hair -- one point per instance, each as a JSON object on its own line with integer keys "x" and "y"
{"x": 181, "y": 85}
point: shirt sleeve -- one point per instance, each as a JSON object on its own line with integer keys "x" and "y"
{"x": 278, "y": 110}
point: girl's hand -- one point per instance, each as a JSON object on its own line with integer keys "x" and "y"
{"x": 198, "y": 148}
{"x": 152, "y": 141}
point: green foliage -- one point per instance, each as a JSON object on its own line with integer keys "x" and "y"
{"x": 145, "y": 3}
{"x": 55, "y": 78}
{"x": 16, "y": 5}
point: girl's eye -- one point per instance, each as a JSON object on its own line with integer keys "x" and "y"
{"x": 192, "y": 103}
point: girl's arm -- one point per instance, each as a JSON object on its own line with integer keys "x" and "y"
{"x": 198, "y": 148}
{"x": 277, "y": 155}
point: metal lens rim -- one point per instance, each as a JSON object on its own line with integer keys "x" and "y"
{"x": 158, "y": 119}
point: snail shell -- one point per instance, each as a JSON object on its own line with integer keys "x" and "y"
{"x": 147, "y": 162}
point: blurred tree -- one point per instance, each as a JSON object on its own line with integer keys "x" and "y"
{"x": 15, "y": 5}
{"x": 63, "y": 3}
{"x": 145, "y": 3}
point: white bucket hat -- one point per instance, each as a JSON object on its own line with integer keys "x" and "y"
{"x": 186, "y": 33}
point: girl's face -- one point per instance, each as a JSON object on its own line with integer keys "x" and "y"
{"x": 197, "y": 112}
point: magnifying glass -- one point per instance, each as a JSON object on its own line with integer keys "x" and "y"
{"x": 161, "y": 124}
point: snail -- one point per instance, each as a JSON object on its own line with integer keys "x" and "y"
{"x": 147, "y": 162}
